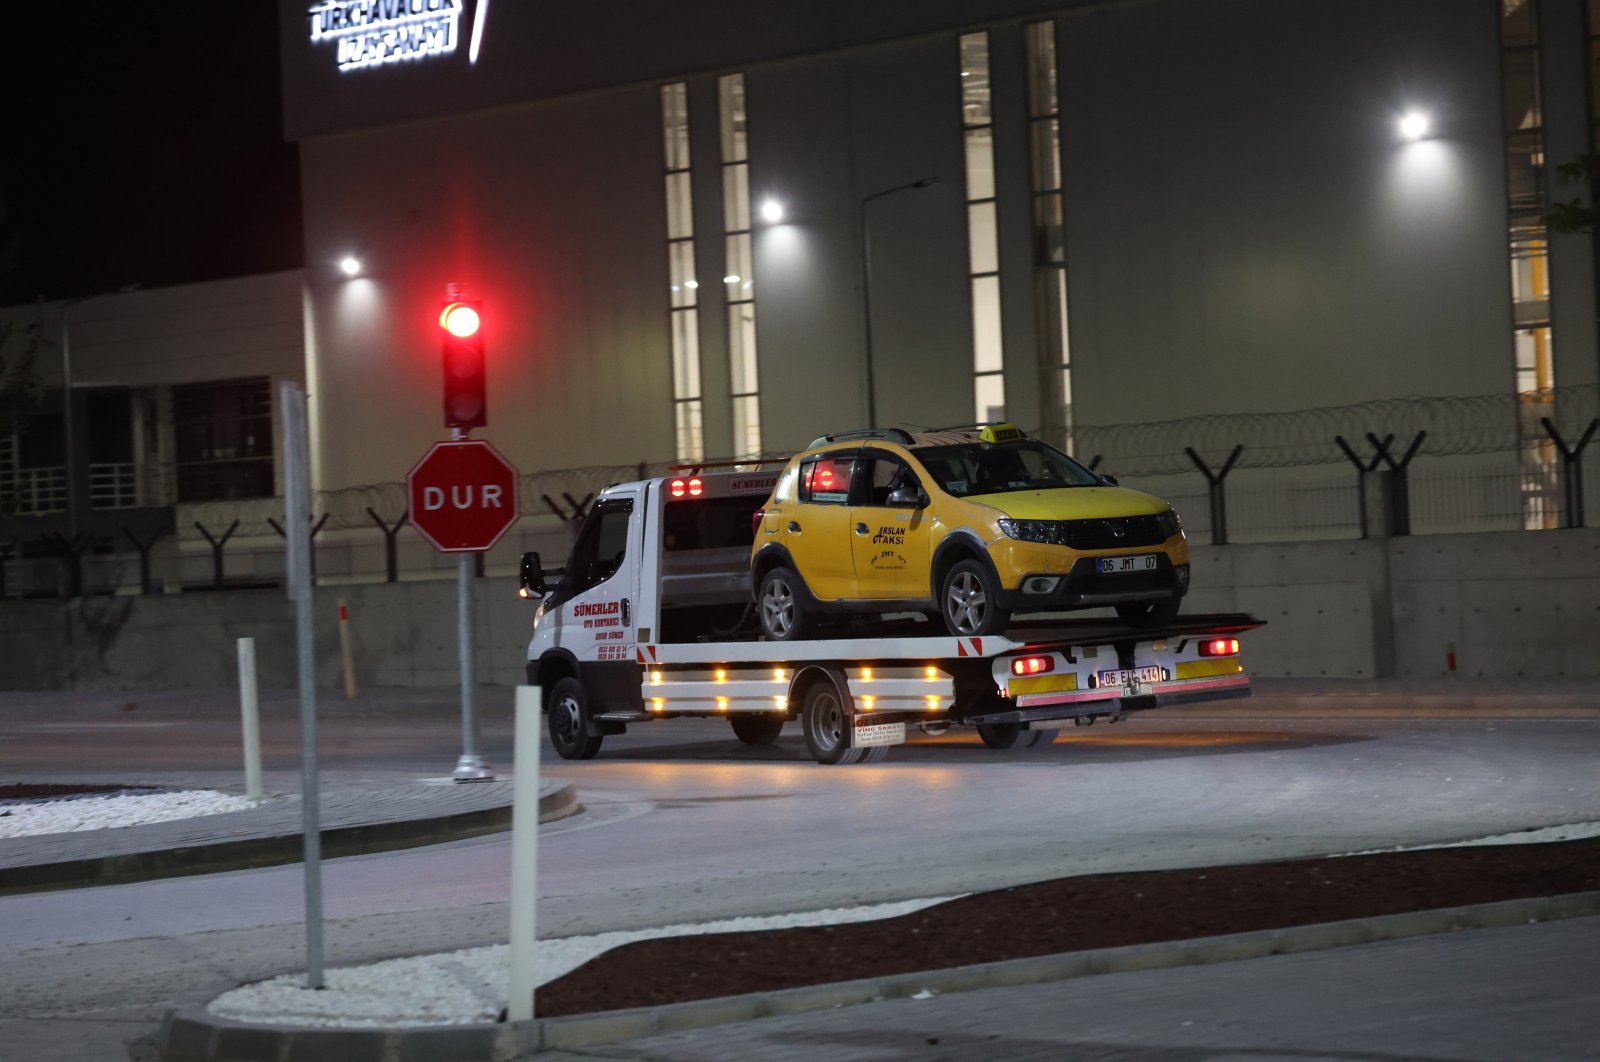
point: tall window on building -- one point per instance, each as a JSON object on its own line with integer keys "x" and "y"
{"x": 1049, "y": 241}
{"x": 1530, "y": 261}
{"x": 685, "y": 302}
{"x": 738, "y": 284}
{"x": 988, "y": 362}
{"x": 222, "y": 439}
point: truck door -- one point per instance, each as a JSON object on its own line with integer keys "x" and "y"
{"x": 889, "y": 542}
{"x": 598, "y": 592}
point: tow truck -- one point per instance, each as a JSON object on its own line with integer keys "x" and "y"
{"x": 652, "y": 617}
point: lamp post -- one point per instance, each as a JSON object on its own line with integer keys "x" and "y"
{"x": 866, "y": 282}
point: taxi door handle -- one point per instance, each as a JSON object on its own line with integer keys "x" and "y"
{"x": 794, "y": 525}
{"x": 862, "y": 529}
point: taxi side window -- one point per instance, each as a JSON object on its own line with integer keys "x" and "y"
{"x": 882, "y": 476}
{"x": 826, "y": 480}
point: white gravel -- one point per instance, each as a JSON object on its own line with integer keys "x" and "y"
{"x": 469, "y": 987}
{"x": 109, "y": 811}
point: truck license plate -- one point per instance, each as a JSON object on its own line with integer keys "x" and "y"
{"x": 1131, "y": 680}
{"x": 868, "y": 735}
{"x": 1119, "y": 565}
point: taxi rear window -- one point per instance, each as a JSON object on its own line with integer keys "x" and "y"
{"x": 826, "y": 480}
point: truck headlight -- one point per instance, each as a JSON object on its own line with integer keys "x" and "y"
{"x": 1028, "y": 530}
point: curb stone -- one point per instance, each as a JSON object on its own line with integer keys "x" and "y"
{"x": 274, "y": 850}
{"x": 192, "y": 1035}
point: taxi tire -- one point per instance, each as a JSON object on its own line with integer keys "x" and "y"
{"x": 756, "y": 729}
{"x": 825, "y": 723}
{"x": 967, "y": 578}
{"x": 782, "y": 589}
{"x": 1149, "y": 613}
{"x": 567, "y": 713}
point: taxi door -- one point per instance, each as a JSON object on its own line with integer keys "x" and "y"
{"x": 889, "y": 543}
{"x": 817, "y": 530}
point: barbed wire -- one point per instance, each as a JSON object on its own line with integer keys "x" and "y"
{"x": 1459, "y": 425}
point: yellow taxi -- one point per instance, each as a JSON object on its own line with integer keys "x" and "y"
{"x": 976, "y": 523}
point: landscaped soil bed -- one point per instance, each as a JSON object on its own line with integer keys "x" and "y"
{"x": 1073, "y": 914}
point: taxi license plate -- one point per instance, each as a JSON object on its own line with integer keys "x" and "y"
{"x": 1119, "y": 565}
{"x": 1130, "y": 679}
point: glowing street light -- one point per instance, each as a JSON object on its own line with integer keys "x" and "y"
{"x": 1414, "y": 125}
{"x": 350, "y": 265}
{"x": 772, "y": 210}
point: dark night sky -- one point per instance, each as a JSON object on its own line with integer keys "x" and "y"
{"x": 143, "y": 145}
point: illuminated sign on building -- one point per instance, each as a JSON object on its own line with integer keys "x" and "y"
{"x": 367, "y": 33}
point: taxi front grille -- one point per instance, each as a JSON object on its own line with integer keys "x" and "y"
{"x": 1121, "y": 532}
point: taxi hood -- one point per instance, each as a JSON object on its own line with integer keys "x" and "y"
{"x": 1072, "y": 503}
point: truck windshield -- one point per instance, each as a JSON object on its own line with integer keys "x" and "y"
{"x": 994, "y": 468}
{"x": 710, "y": 523}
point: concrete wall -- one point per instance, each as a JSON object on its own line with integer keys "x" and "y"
{"x": 1514, "y": 604}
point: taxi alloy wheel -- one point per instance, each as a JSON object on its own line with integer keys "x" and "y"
{"x": 781, "y": 604}
{"x": 970, "y": 600}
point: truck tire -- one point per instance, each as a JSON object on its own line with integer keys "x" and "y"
{"x": 567, "y": 714}
{"x": 1034, "y": 739}
{"x": 757, "y": 729}
{"x": 969, "y": 600}
{"x": 1000, "y": 735}
{"x": 781, "y": 606}
{"x": 827, "y": 725}
{"x": 1149, "y": 613}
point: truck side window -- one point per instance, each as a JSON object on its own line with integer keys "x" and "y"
{"x": 601, "y": 547}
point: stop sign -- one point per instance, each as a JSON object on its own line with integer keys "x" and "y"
{"x": 462, "y": 495}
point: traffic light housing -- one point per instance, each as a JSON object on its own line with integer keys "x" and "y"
{"x": 465, "y": 376}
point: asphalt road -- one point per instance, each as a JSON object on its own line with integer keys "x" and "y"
{"x": 685, "y": 824}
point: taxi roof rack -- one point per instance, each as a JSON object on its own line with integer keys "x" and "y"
{"x": 899, "y": 435}
{"x": 970, "y": 427}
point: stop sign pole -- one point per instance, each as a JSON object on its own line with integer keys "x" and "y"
{"x": 462, "y": 497}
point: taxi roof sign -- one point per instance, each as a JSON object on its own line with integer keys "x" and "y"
{"x": 1001, "y": 433}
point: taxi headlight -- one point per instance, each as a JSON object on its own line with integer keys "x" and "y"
{"x": 1028, "y": 530}
{"x": 1168, "y": 523}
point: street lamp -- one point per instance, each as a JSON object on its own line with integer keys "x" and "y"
{"x": 866, "y": 282}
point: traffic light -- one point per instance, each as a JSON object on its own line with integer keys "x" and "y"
{"x": 465, "y": 378}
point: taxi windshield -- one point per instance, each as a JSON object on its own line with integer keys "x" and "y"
{"x": 994, "y": 468}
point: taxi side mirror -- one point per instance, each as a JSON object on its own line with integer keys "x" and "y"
{"x": 908, "y": 498}
{"x": 1108, "y": 479}
{"x": 530, "y": 578}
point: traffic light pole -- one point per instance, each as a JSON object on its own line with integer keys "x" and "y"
{"x": 470, "y": 767}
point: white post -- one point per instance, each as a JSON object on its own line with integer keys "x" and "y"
{"x": 250, "y": 718}
{"x": 344, "y": 651}
{"x": 524, "y": 852}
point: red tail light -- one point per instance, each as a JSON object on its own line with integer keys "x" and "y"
{"x": 696, "y": 488}
{"x": 1032, "y": 665}
{"x": 755, "y": 521}
{"x": 1220, "y": 647}
{"x": 676, "y": 488}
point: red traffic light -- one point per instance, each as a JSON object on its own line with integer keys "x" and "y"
{"x": 465, "y": 371}
{"x": 460, "y": 319}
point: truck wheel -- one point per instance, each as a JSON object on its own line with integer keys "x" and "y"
{"x": 969, "y": 598}
{"x": 1149, "y": 613}
{"x": 568, "y": 711}
{"x": 827, "y": 725}
{"x": 1039, "y": 738}
{"x": 782, "y": 606}
{"x": 999, "y": 735}
{"x": 757, "y": 729}
{"x": 876, "y": 754}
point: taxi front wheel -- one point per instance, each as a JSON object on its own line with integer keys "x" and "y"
{"x": 782, "y": 606}
{"x": 969, "y": 599}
